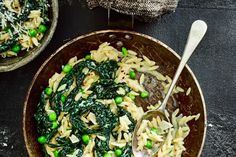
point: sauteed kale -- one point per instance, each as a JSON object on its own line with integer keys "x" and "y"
{"x": 104, "y": 88}
{"x": 22, "y": 25}
{"x": 8, "y": 44}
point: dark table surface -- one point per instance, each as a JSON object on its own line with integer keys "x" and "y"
{"x": 213, "y": 63}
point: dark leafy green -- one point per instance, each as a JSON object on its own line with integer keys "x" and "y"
{"x": 107, "y": 89}
{"x": 69, "y": 149}
{"x": 105, "y": 118}
{"x": 8, "y": 44}
{"x": 55, "y": 100}
{"x": 28, "y": 6}
{"x": 106, "y": 69}
{"x": 104, "y": 88}
{"x": 101, "y": 146}
{"x": 43, "y": 6}
{"x": 41, "y": 117}
{"x": 127, "y": 151}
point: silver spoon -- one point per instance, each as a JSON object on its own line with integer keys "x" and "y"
{"x": 197, "y": 32}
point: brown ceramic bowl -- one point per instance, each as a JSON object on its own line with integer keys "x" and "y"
{"x": 12, "y": 63}
{"x": 165, "y": 57}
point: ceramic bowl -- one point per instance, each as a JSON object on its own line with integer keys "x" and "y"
{"x": 12, "y": 63}
{"x": 166, "y": 58}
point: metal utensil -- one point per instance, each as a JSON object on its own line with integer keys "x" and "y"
{"x": 120, "y": 20}
{"x": 197, "y": 32}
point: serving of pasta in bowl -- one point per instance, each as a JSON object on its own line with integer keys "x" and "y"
{"x": 86, "y": 98}
{"x": 26, "y": 27}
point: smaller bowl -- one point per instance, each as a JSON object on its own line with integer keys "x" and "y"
{"x": 9, "y": 64}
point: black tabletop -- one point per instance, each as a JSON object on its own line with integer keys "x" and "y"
{"x": 213, "y": 63}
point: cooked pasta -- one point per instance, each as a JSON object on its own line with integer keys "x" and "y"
{"x": 164, "y": 137}
{"x": 89, "y": 109}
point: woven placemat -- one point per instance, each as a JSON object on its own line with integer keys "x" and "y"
{"x": 144, "y": 9}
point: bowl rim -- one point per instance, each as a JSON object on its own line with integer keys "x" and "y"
{"x": 114, "y": 31}
{"x": 34, "y": 54}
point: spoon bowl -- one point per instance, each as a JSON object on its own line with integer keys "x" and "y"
{"x": 147, "y": 116}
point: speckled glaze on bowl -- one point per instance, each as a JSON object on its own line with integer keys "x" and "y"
{"x": 12, "y": 63}
{"x": 165, "y": 57}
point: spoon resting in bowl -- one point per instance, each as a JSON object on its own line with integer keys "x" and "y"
{"x": 197, "y": 32}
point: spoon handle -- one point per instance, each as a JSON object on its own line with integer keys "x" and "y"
{"x": 197, "y": 32}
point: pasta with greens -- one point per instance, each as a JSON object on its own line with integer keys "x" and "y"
{"x": 23, "y": 24}
{"x": 89, "y": 109}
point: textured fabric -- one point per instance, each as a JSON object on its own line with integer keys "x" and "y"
{"x": 147, "y": 9}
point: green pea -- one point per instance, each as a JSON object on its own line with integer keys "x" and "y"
{"x": 149, "y": 144}
{"x": 124, "y": 51}
{"x": 144, "y": 94}
{"x": 42, "y": 139}
{"x": 81, "y": 90}
{"x": 154, "y": 130}
{"x": 54, "y": 125}
{"x": 67, "y": 68}
{"x": 52, "y": 116}
{"x": 118, "y": 152}
{"x": 118, "y": 100}
{"x": 107, "y": 155}
{"x": 131, "y": 96}
{"x": 32, "y": 33}
{"x": 63, "y": 98}
{"x": 56, "y": 153}
{"x": 88, "y": 57}
{"x": 85, "y": 138}
{"x": 42, "y": 28}
{"x": 132, "y": 74}
{"x": 48, "y": 91}
{"x": 16, "y": 48}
